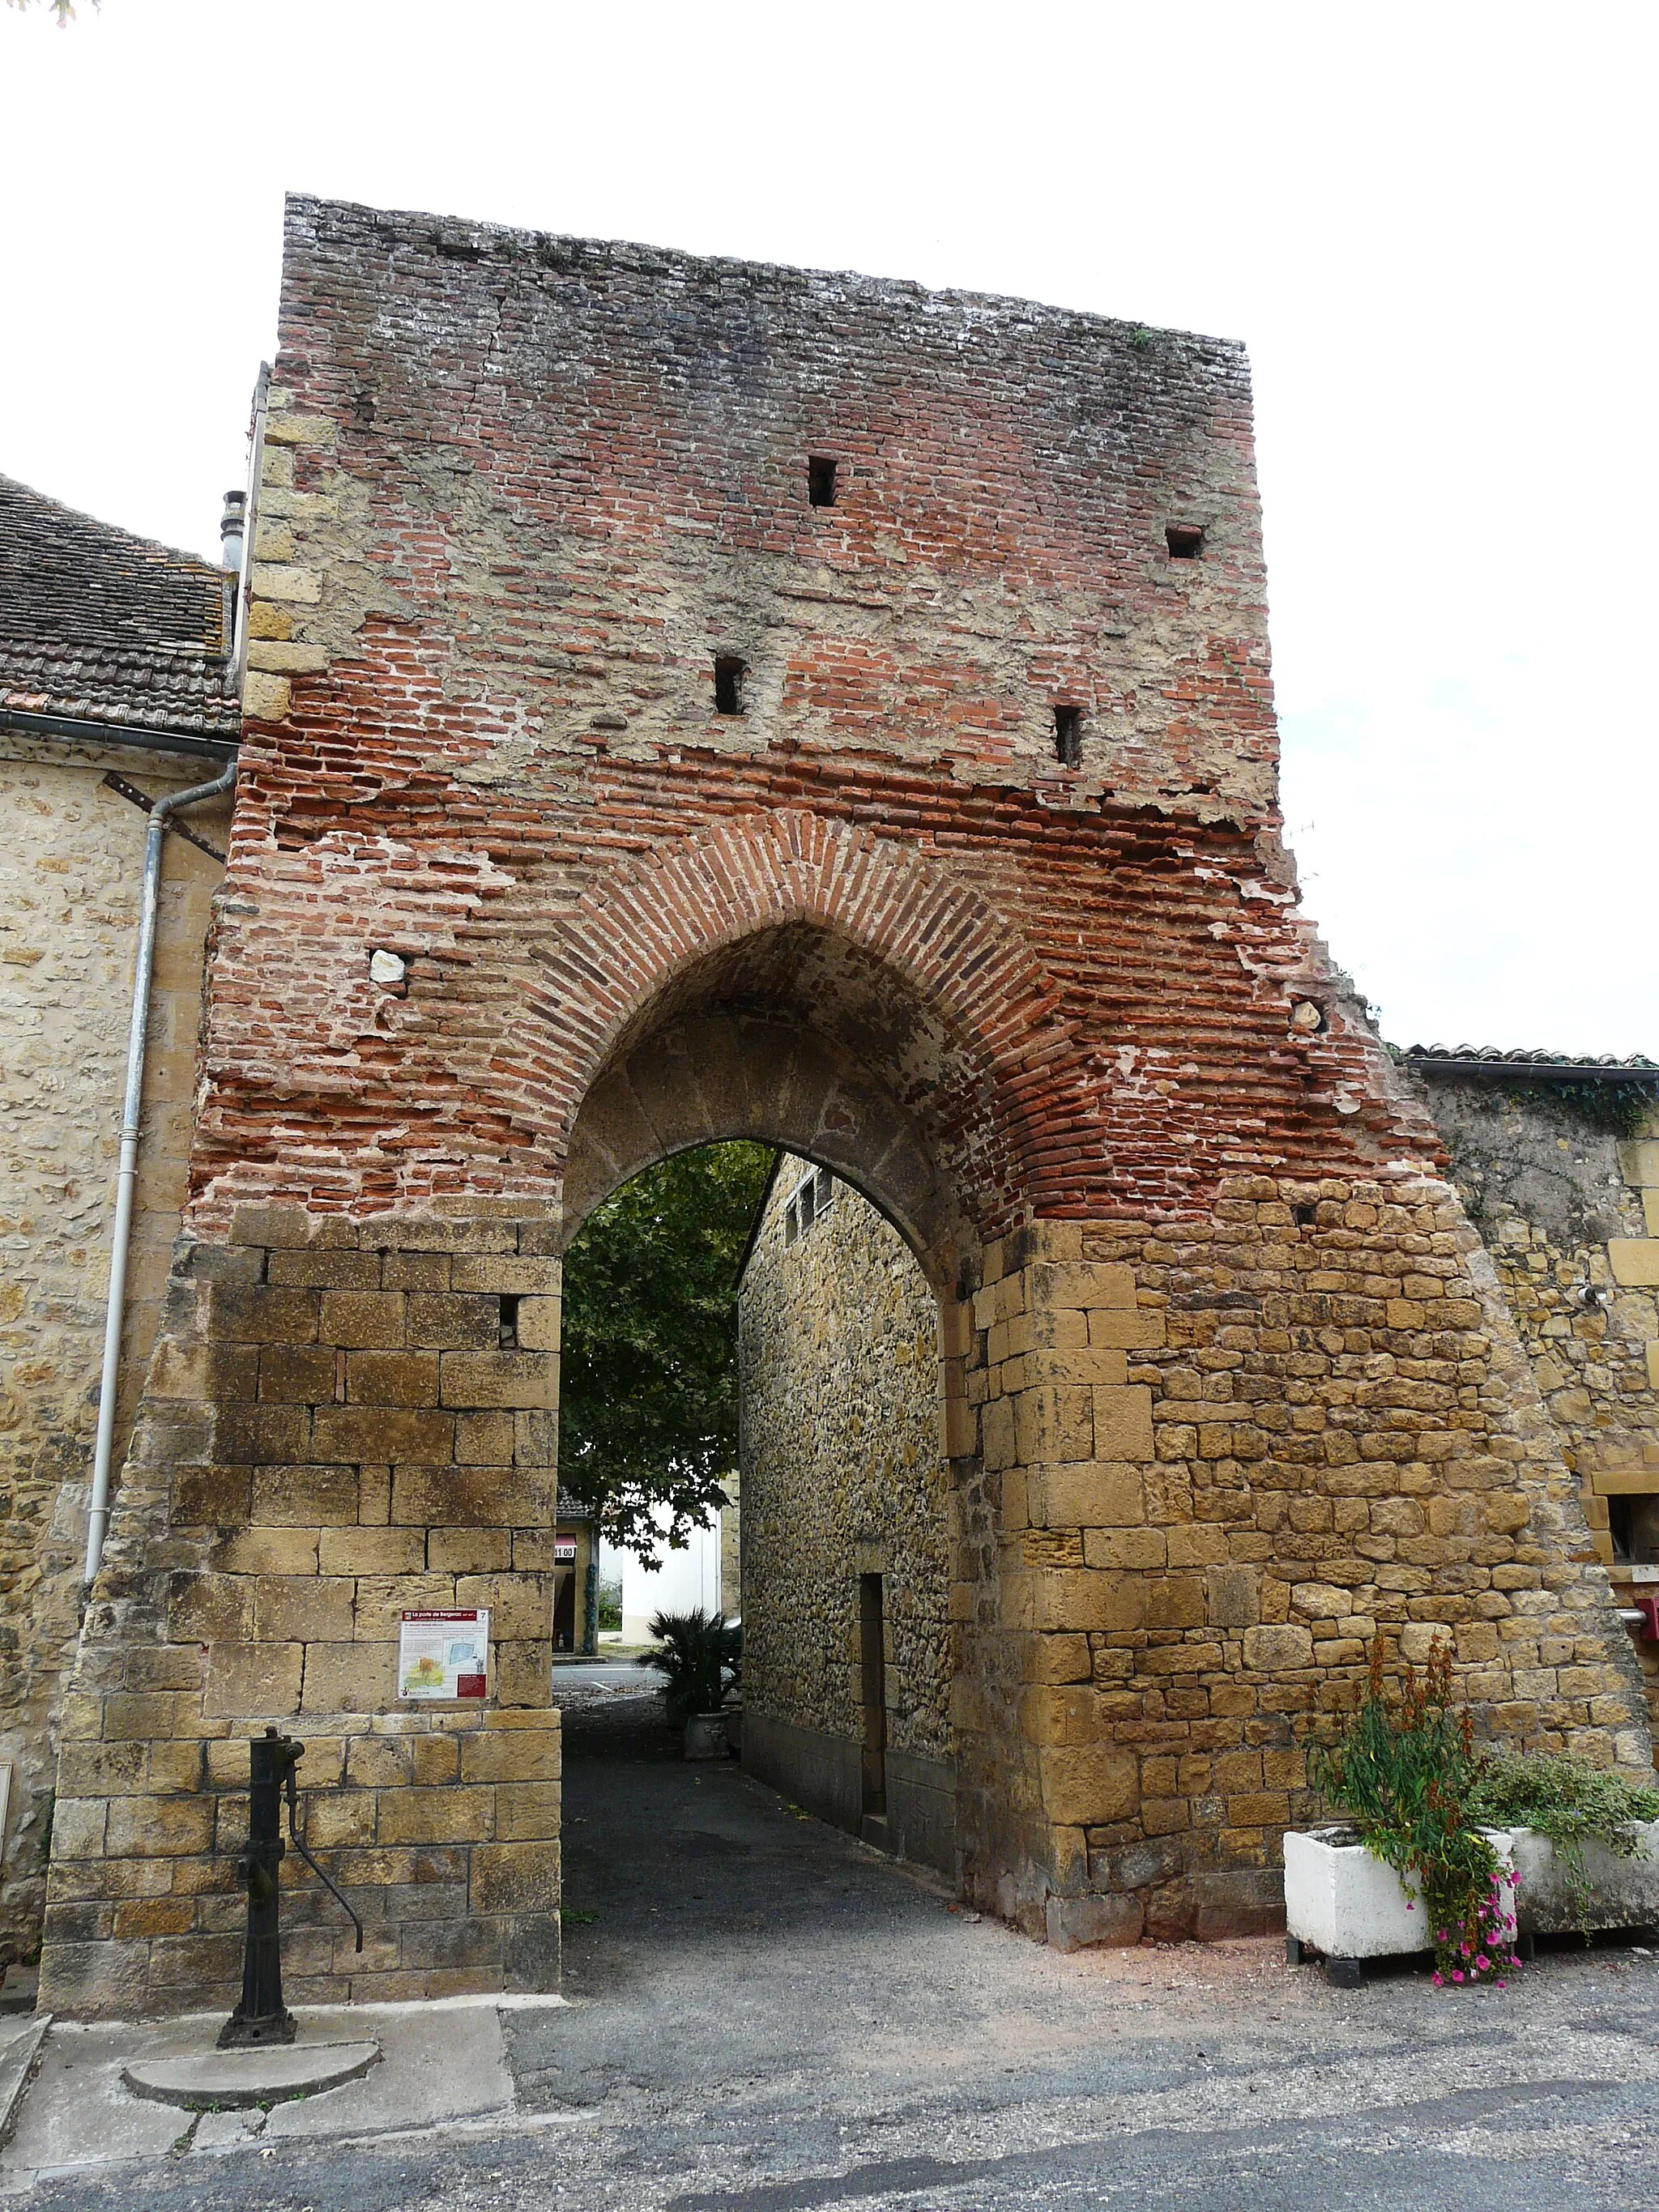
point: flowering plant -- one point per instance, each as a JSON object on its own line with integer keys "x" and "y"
{"x": 1406, "y": 1768}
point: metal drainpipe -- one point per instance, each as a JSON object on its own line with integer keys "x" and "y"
{"x": 127, "y": 1173}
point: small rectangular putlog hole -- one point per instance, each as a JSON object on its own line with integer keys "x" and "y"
{"x": 729, "y": 673}
{"x": 1304, "y": 1215}
{"x": 1185, "y": 540}
{"x": 821, "y": 479}
{"x": 1068, "y": 736}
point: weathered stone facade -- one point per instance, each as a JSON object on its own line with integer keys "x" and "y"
{"x": 929, "y": 832}
{"x": 1567, "y": 1204}
{"x": 98, "y": 631}
{"x": 844, "y": 1476}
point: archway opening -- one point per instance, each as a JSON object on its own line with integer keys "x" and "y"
{"x": 751, "y": 1380}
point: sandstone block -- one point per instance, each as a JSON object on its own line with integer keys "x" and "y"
{"x": 538, "y": 1324}
{"x": 1078, "y": 1923}
{"x": 1082, "y": 1285}
{"x": 515, "y": 1878}
{"x": 253, "y": 1681}
{"x": 282, "y": 1551}
{"x": 267, "y": 698}
{"x": 303, "y": 1608}
{"x": 298, "y": 1373}
{"x": 251, "y": 1313}
{"x": 487, "y": 1497}
{"x": 366, "y": 1320}
{"x": 426, "y": 1272}
{"x": 448, "y": 1321}
{"x": 1063, "y": 1714}
{"x": 350, "y": 1678}
{"x": 1058, "y": 1658}
{"x": 1087, "y": 1785}
{"x": 371, "y": 1551}
{"x": 1082, "y": 1599}
{"x": 513, "y": 1379}
{"x": 1173, "y": 1602}
{"x": 391, "y": 1378}
{"x": 511, "y": 1755}
{"x": 519, "y": 1605}
{"x": 436, "y": 1816}
{"x": 528, "y": 1812}
{"x": 1090, "y": 1494}
{"x": 1123, "y": 1423}
{"x": 1233, "y": 1597}
{"x": 159, "y": 1828}
{"x": 208, "y": 1608}
{"x": 1634, "y": 1261}
{"x": 514, "y": 1274}
{"x": 401, "y": 1436}
{"x": 1145, "y": 1550}
{"x": 295, "y": 1496}
{"x": 1273, "y": 1646}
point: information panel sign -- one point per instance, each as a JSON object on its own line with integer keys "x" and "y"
{"x": 443, "y": 1655}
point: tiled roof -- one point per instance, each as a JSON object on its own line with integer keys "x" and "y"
{"x": 1539, "y": 1062}
{"x": 104, "y": 627}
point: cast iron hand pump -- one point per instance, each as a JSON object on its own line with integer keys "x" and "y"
{"x": 261, "y": 2016}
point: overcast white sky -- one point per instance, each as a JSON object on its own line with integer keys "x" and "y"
{"x": 1433, "y": 225}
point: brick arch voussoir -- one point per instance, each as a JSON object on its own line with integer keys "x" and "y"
{"x": 649, "y": 918}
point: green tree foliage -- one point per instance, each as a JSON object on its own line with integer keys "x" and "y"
{"x": 648, "y": 1398}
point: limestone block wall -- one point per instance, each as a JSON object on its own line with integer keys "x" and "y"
{"x": 1229, "y": 1453}
{"x": 70, "y": 867}
{"x": 1568, "y": 1212}
{"x": 333, "y": 1431}
{"x": 843, "y": 1472}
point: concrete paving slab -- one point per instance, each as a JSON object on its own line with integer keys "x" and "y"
{"x": 20, "y": 2046}
{"x": 439, "y": 2064}
{"x": 208, "y": 2081}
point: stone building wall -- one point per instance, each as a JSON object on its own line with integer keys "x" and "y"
{"x": 71, "y": 870}
{"x": 1564, "y": 1190}
{"x": 843, "y": 1475}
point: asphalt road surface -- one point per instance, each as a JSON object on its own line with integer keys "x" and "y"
{"x": 768, "y": 2018}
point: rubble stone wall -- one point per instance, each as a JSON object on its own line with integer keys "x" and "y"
{"x": 70, "y": 871}
{"x": 1568, "y": 1208}
{"x": 843, "y": 1476}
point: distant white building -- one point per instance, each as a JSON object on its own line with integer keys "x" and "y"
{"x": 675, "y": 1581}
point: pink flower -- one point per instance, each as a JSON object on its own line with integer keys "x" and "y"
{"x": 1483, "y": 1964}
{"x": 1439, "y": 1980}
{"x": 1457, "y": 1973}
{"x": 1500, "y": 1983}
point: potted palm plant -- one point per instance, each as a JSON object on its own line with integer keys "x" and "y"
{"x": 699, "y": 1658}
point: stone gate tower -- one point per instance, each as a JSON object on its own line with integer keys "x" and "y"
{"x": 694, "y": 700}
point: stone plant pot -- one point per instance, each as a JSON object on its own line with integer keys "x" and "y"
{"x": 705, "y": 1737}
{"x": 1624, "y": 1892}
{"x": 1349, "y": 1906}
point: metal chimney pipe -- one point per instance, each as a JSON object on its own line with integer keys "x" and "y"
{"x": 232, "y": 528}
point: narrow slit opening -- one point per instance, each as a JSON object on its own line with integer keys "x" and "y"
{"x": 821, "y": 479}
{"x": 728, "y": 685}
{"x": 1068, "y": 736}
{"x": 508, "y": 1333}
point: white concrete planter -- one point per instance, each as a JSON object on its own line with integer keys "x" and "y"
{"x": 1624, "y": 1892}
{"x": 1342, "y": 1902}
{"x": 705, "y": 1737}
